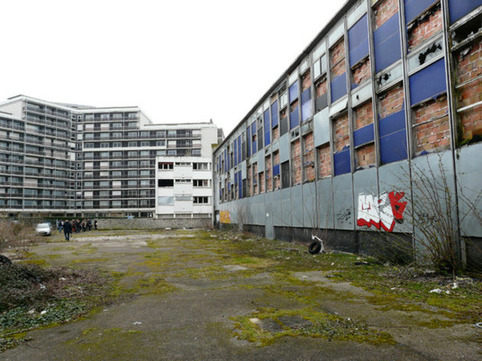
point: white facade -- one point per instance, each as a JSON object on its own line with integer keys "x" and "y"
{"x": 184, "y": 187}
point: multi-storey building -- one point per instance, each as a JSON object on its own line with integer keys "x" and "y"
{"x": 63, "y": 159}
{"x": 388, "y": 92}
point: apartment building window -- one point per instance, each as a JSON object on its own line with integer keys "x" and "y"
{"x": 161, "y": 143}
{"x": 165, "y": 201}
{"x": 104, "y": 135}
{"x": 116, "y": 204}
{"x": 104, "y": 184}
{"x": 116, "y": 145}
{"x": 165, "y": 183}
{"x": 200, "y": 182}
{"x": 116, "y": 154}
{"x": 88, "y": 136}
{"x": 200, "y": 166}
{"x": 132, "y": 154}
{"x": 145, "y": 153}
{"x": 117, "y": 135}
{"x": 132, "y": 173}
{"x": 88, "y": 184}
{"x": 104, "y": 145}
{"x": 132, "y": 183}
{"x": 132, "y": 144}
{"x": 144, "y": 163}
{"x": 116, "y": 174}
{"x": 88, "y": 155}
{"x": 117, "y": 125}
{"x": 165, "y": 165}
{"x": 115, "y": 164}
{"x": 161, "y": 153}
{"x": 285, "y": 174}
{"x": 132, "y": 163}
{"x": 145, "y": 183}
{"x": 145, "y": 144}
{"x": 145, "y": 173}
{"x": 144, "y": 134}
{"x": 88, "y": 145}
{"x": 201, "y": 200}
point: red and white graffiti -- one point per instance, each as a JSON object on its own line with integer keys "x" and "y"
{"x": 380, "y": 211}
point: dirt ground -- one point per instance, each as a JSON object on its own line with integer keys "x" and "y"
{"x": 187, "y": 295}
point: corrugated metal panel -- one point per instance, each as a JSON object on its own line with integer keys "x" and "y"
{"x": 358, "y": 41}
{"x": 297, "y": 206}
{"x": 325, "y": 203}
{"x": 387, "y": 43}
{"x": 310, "y": 218}
{"x": 343, "y": 202}
{"x": 276, "y": 209}
{"x": 428, "y": 82}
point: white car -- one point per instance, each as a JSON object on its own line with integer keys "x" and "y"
{"x": 43, "y": 229}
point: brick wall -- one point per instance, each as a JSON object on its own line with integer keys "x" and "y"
{"x": 261, "y": 182}
{"x": 365, "y": 156}
{"x": 431, "y": 125}
{"x": 321, "y": 88}
{"x": 390, "y": 101}
{"x": 383, "y": 11}
{"x": 324, "y": 161}
{"x": 305, "y": 81}
{"x": 276, "y": 132}
{"x": 342, "y": 133}
{"x": 268, "y": 173}
{"x": 276, "y": 179}
{"x": 469, "y": 80}
{"x": 309, "y": 158}
{"x": 363, "y": 115}
{"x": 425, "y": 27}
{"x": 337, "y": 59}
{"x": 249, "y": 179}
{"x": 361, "y": 72}
{"x": 296, "y": 162}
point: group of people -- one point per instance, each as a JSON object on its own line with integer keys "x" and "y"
{"x": 75, "y": 226}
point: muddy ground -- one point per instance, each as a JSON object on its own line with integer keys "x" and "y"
{"x": 191, "y": 295}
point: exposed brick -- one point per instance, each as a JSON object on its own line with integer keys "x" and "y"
{"x": 363, "y": 115}
{"x": 469, "y": 89}
{"x": 296, "y": 165}
{"x": 321, "y": 88}
{"x": 276, "y": 179}
{"x": 275, "y": 133}
{"x": 337, "y": 55}
{"x": 324, "y": 161}
{"x": 250, "y": 181}
{"x": 361, "y": 72}
{"x": 365, "y": 156}
{"x": 268, "y": 174}
{"x": 261, "y": 182}
{"x": 384, "y": 10}
{"x": 305, "y": 81}
{"x": 432, "y": 130}
{"x": 309, "y": 158}
{"x": 390, "y": 101}
{"x": 425, "y": 28}
{"x": 342, "y": 132}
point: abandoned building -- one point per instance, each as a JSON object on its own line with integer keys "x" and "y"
{"x": 374, "y": 130}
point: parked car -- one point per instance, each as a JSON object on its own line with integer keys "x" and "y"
{"x": 43, "y": 229}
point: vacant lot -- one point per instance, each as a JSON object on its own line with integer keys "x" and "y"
{"x": 198, "y": 295}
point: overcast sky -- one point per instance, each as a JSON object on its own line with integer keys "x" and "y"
{"x": 180, "y": 61}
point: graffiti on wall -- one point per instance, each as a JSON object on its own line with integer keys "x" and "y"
{"x": 380, "y": 211}
{"x": 224, "y": 217}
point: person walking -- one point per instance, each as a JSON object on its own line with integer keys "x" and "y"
{"x": 67, "y": 230}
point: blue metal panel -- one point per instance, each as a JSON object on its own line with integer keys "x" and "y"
{"x": 428, "y": 82}
{"x": 235, "y": 151}
{"x": 240, "y": 185}
{"x": 295, "y": 117}
{"x": 248, "y": 133}
{"x": 387, "y": 43}
{"x": 226, "y": 160}
{"x": 306, "y": 105}
{"x": 414, "y": 7}
{"x": 363, "y": 135}
{"x": 267, "y": 128}
{"x": 393, "y": 123}
{"x": 276, "y": 170}
{"x": 274, "y": 114}
{"x": 240, "y": 155}
{"x": 342, "y": 161}
{"x": 393, "y": 147}
{"x": 358, "y": 40}
{"x": 460, "y": 8}
{"x": 254, "y": 149}
{"x": 338, "y": 87}
{"x": 293, "y": 92}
